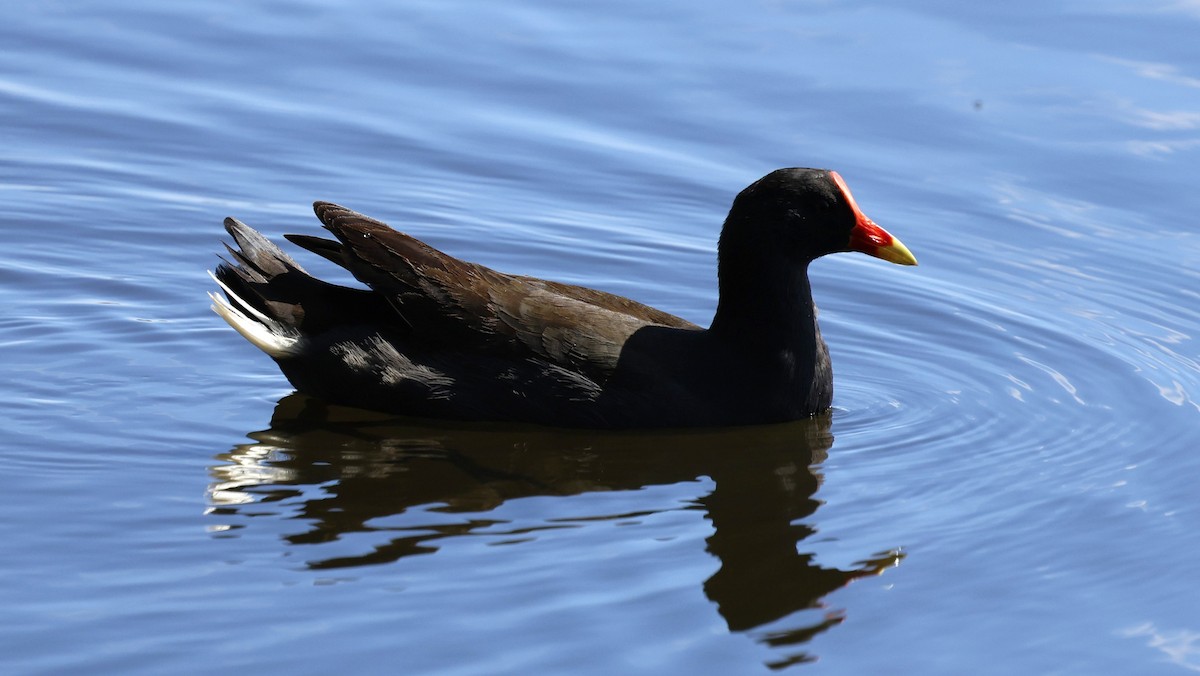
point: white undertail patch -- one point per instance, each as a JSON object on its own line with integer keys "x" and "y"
{"x": 269, "y": 335}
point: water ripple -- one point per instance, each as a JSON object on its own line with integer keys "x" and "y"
{"x": 953, "y": 371}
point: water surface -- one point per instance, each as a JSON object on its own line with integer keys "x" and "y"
{"x": 1005, "y": 485}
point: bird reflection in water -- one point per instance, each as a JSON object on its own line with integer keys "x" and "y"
{"x": 371, "y": 467}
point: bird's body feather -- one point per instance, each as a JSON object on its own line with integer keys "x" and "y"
{"x": 436, "y": 336}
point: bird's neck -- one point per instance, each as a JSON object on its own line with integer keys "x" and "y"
{"x": 765, "y": 304}
{"x": 767, "y": 318}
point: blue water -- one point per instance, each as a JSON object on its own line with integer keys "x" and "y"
{"x": 1006, "y": 484}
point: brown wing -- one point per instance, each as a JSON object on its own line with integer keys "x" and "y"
{"x": 455, "y": 303}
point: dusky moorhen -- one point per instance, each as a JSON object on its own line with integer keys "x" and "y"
{"x": 435, "y": 336}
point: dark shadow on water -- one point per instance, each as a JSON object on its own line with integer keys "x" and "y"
{"x": 335, "y": 470}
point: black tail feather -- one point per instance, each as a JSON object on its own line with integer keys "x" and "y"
{"x": 261, "y": 275}
{"x": 328, "y": 249}
{"x": 258, "y": 251}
